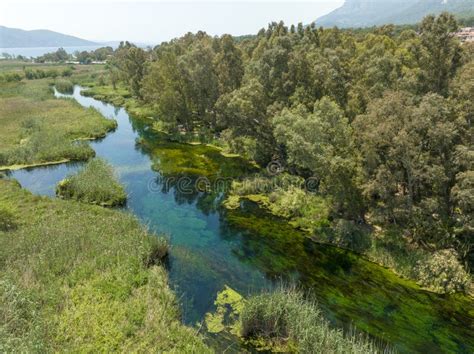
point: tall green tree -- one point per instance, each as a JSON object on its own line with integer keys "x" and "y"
{"x": 321, "y": 142}
{"x": 229, "y": 65}
{"x": 131, "y": 61}
{"x": 441, "y": 52}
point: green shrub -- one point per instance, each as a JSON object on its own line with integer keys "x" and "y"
{"x": 7, "y": 218}
{"x": 288, "y": 203}
{"x": 348, "y": 234}
{"x": 159, "y": 250}
{"x": 242, "y": 145}
{"x": 64, "y": 86}
{"x": 286, "y": 320}
{"x": 10, "y": 77}
{"x": 442, "y": 272}
{"x": 67, "y": 72}
{"x": 94, "y": 184}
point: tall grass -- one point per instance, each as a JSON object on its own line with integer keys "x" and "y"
{"x": 64, "y": 86}
{"x": 286, "y": 319}
{"x": 41, "y": 145}
{"x": 38, "y": 128}
{"x": 95, "y": 183}
{"x": 7, "y": 218}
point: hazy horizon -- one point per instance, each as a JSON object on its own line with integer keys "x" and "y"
{"x": 152, "y": 22}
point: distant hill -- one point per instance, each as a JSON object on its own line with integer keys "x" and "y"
{"x": 17, "y": 38}
{"x": 365, "y": 13}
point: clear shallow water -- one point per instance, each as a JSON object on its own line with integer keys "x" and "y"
{"x": 249, "y": 250}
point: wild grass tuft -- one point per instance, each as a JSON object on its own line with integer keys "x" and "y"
{"x": 64, "y": 86}
{"x": 42, "y": 145}
{"x": 95, "y": 183}
{"x": 286, "y": 319}
{"x": 159, "y": 250}
{"x": 8, "y": 220}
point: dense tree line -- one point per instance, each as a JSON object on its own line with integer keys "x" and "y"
{"x": 382, "y": 117}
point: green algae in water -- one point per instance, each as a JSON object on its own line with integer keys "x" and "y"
{"x": 178, "y": 159}
{"x": 356, "y": 292}
{"x": 229, "y": 304}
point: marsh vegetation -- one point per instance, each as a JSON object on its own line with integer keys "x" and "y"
{"x": 95, "y": 183}
{"x": 38, "y": 128}
{"x": 284, "y": 320}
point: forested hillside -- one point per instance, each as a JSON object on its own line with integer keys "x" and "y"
{"x": 380, "y": 121}
{"x": 365, "y": 13}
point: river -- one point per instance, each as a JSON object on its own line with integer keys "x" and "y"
{"x": 249, "y": 250}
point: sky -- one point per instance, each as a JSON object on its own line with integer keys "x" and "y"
{"x": 154, "y": 21}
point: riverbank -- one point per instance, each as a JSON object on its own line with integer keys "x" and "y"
{"x": 32, "y": 165}
{"x": 74, "y": 277}
{"x": 388, "y": 248}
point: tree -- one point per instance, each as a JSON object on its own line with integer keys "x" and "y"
{"x": 166, "y": 87}
{"x": 441, "y": 56}
{"x": 321, "y": 142}
{"x": 229, "y": 66}
{"x": 201, "y": 81}
{"x": 131, "y": 61}
{"x": 409, "y": 161}
{"x": 243, "y": 111}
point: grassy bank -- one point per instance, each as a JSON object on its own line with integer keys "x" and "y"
{"x": 94, "y": 184}
{"x": 38, "y": 128}
{"x": 120, "y": 96}
{"x": 82, "y": 278}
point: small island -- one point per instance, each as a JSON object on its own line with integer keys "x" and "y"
{"x": 95, "y": 183}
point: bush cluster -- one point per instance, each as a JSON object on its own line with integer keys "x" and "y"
{"x": 64, "y": 86}
{"x": 10, "y": 77}
{"x": 442, "y": 272}
{"x": 33, "y": 74}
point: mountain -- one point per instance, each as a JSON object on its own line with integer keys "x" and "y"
{"x": 17, "y": 38}
{"x": 366, "y": 13}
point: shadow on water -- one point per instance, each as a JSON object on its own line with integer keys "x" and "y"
{"x": 250, "y": 250}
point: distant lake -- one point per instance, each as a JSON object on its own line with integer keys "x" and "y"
{"x": 37, "y": 51}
